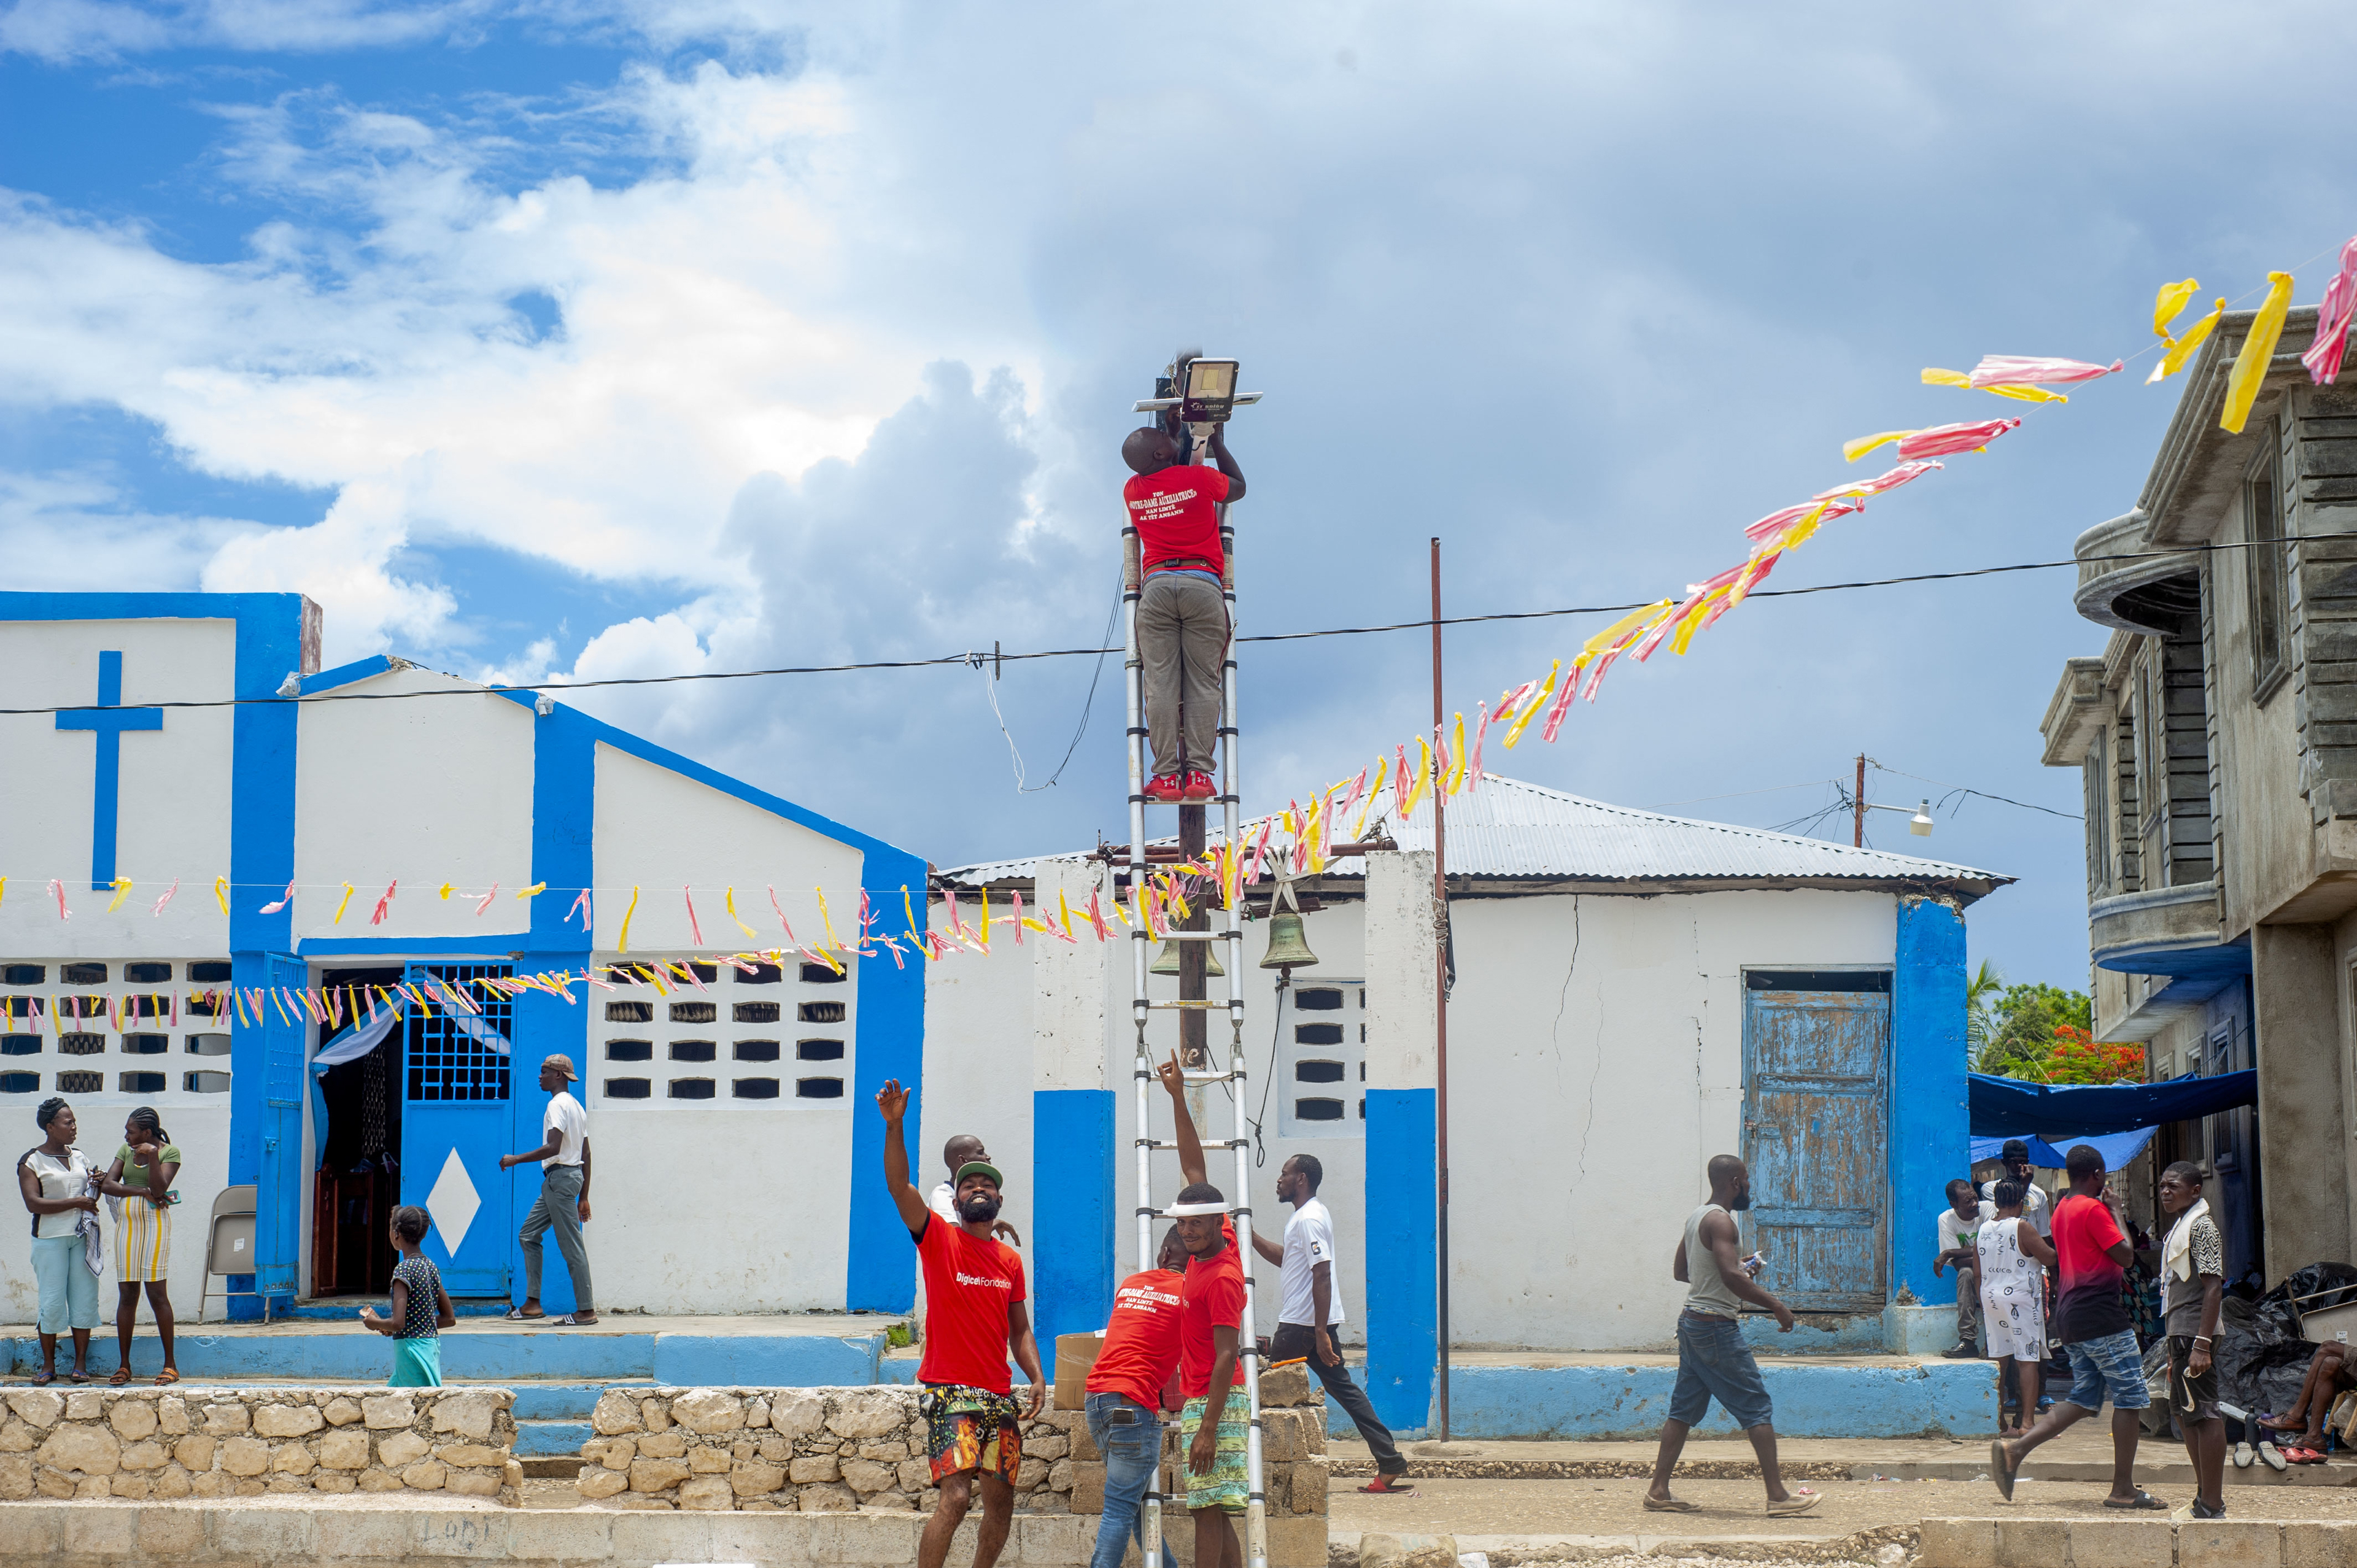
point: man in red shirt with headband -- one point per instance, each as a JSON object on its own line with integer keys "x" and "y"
{"x": 1182, "y": 615}
{"x": 973, "y": 1316}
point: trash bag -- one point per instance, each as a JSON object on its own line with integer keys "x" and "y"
{"x": 2262, "y": 1360}
{"x": 2155, "y": 1418}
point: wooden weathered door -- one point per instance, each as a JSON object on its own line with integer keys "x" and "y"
{"x": 1815, "y": 1131}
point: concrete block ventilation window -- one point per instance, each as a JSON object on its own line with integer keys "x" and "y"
{"x": 734, "y": 1019}
{"x": 1321, "y": 1060}
{"x": 139, "y": 1008}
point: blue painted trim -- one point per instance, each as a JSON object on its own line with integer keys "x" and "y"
{"x": 345, "y": 674}
{"x": 1073, "y": 1183}
{"x": 1629, "y": 1402}
{"x": 1929, "y": 1126}
{"x": 493, "y": 949}
{"x": 889, "y": 1042}
{"x": 106, "y": 728}
{"x": 766, "y": 1361}
{"x": 1403, "y": 1230}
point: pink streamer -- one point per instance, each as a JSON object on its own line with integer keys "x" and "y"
{"x": 1945, "y": 438}
{"x": 581, "y": 906}
{"x": 283, "y": 899}
{"x": 2332, "y": 318}
{"x": 1018, "y": 919}
{"x": 59, "y": 888}
{"x": 1358, "y": 787}
{"x": 1473, "y": 767}
{"x": 788, "y": 925}
{"x": 1096, "y": 916}
{"x": 1260, "y": 849}
{"x": 2016, "y": 369}
{"x": 487, "y": 899}
{"x": 384, "y": 905}
{"x": 1875, "y": 485}
{"x": 1552, "y": 726}
{"x": 1400, "y": 782}
{"x": 160, "y": 909}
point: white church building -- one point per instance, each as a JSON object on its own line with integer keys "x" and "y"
{"x": 160, "y": 751}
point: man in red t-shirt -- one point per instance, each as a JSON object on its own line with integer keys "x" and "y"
{"x": 2092, "y": 1319}
{"x": 1182, "y": 612}
{"x": 973, "y": 1316}
{"x": 1126, "y": 1397}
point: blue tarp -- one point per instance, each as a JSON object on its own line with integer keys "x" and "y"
{"x": 2117, "y": 1148}
{"x": 2013, "y": 1108}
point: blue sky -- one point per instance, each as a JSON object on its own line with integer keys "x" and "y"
{"x": 587, "y": 340}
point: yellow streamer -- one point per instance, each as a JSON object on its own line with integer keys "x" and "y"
{"x": 1853, "y": 450}
{"x": 986, "y": 919}
{"x": 341, "y": 907}
{"x": 446, "y": 888}
{"x": 1603, "y": 640}
{"x": 121, "y": 891}
{"x": 2170, "y": 304}
{"x": 2181, "y": 349}
{"x": 624, "y": 944}
{"x": 1423, "y": 778}
{"x": 2020, "y": 394}
{"x": 1514, "y": 732}
{"x": 532, "y": 891}
{"x": 2250, "y": 370}
{"x": 828, "y": 921}
{"x": 1457, "y": 758}
{"x": 1065, "y": 910}
{"x": 729, "y": 902}
{"x": 221, "y": 891}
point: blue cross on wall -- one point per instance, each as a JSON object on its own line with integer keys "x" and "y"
{"x": 106, "y": 724}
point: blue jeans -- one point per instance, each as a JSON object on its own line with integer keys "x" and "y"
{"x": 1132, "y": 1449}
{"x": 2110, "y": 1366}
{"x": 1714, "y": 1363}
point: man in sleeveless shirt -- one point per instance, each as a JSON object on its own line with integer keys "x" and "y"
{"x": 1713, "y": 1360}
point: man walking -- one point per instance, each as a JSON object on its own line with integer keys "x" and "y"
{"x": 1959, "y": 1226}
{"x": 1308, "y": 1323}
{"x": 563, "y": 1205}
{"x": 2092, "y": 1257}
{"x": 1713, "y": 1360}
{"x": 974, "y": 1316}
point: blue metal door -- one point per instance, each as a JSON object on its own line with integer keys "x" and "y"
{"x": 277, "y": 1219}
{"x": 1815, "y": 1130}
{"x": 455, "y": 1126}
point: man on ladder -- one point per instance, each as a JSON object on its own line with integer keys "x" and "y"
{"x": 1182, "y": 616}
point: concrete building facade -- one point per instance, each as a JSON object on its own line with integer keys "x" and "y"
{"x": 2217, "y": 737}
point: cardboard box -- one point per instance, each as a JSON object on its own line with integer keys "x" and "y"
{"x": 1076, "y": 1354}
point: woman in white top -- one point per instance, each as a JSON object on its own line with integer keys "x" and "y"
{"x": 54, "y": 1178}
{"x": 2013, "y": 1301}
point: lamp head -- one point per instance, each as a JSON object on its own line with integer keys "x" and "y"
{"x": 1920, "y": 824}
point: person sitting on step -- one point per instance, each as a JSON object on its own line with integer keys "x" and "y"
{"x": 1182, "y": 612}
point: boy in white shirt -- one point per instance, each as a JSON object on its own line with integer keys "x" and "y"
{"x": 1959, "y": 1224}
{"x": 1308, "y": 1322}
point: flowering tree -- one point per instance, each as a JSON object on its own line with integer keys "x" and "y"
{"x": 2077, "y": 1057}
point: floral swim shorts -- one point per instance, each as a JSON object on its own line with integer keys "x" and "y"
{"x": 968, "y": 1428}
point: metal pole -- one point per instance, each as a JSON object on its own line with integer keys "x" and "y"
{"x": 1440, "y": 983}
{"x": 1857, "y": 804}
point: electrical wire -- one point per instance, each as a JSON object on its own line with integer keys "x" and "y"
{"x": 1955, "y": 790}
{"x": 971, "y": 658}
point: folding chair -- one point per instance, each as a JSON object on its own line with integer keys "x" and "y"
{"x": 229, "y": 1248}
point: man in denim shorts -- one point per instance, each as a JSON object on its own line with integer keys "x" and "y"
{"x": 1713, "y": 1360}
{"x": 2092, "y": 1257}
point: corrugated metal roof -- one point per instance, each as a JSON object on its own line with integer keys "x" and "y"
{"x": 1509, "y": 830}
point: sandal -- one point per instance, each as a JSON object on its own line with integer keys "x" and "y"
{"x": 1386, "y": 1485}
{"x": 2001, "y": 1472}
{"x": 2304, "y": 1455}
{"x": 167, "y": 1376}
{"x": 518, "y": 1314}
{"x": 77, "y": 1376}
{"x": 1669, "y": 1504}
{"x": 43, "y": 1378}
{"x": 121, "y": 1375}
{"x": 1799, "y": 1500}
{"x": 575, "y": 1320}
{"x": 2141, "y": 1501}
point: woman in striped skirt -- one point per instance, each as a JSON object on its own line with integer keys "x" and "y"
{"x": 141, "y": 1177}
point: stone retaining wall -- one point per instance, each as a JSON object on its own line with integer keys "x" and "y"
{"x": 149, "y": 1443}
{"x": 835, "y": 1450}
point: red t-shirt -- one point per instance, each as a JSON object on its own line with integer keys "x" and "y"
{"x": 2089, "y": 1305}
{"x": 1141, "y": 1338}
{"x": 969, "y": 1281}
{"x": 1212, "y": 1297}
{"x": 1175, "y": 511}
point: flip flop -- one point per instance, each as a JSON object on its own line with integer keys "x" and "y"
{"x": 121, "y": 1375}
{"x": 571, "y": 1321}
{"x": 1801, "y": 1501}
{"x": 1383, "y": 1485}
{"x": 518, "y": 1314}
{"x": 1999, "y": 1471}
{"x": 2142, "y": 1501}
{"x": 167, "y": 1376}
{"x": 42, "y": 1379}
{"x": 1669, "y": 1504}
{"x": 77, "y": 1376}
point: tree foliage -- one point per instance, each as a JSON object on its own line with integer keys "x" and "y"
{"x": 2018, "y": 1030}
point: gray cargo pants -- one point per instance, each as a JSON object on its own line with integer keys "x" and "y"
{"x": 1182, "y": 639}
{"x": 558, "y": 1208}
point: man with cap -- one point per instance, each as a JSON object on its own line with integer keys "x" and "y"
{"x": 2015, "y": 1156}
{"x": 974, "y": 1315}
{"x": 563, "y": 1205}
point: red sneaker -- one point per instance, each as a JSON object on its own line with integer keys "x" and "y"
{"x": 1200, "y": 787}
{"x": 1166, "y": 788}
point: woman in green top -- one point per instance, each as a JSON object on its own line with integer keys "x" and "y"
{"x": 141, "y": 1177}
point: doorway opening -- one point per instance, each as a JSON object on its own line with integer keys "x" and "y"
{"x": 356, "y": 1107}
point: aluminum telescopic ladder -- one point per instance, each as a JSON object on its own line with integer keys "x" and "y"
{"x": 1193, "y": 1007}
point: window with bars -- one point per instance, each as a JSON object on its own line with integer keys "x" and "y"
{"x": 1321, "y": 1064}
{"x": 2267, "y": 570}
{"x": 677, "y": 1026}
{"x": 461, "y": 1057}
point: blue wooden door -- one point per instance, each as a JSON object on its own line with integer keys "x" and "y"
{"x": 455, "y": 1126}
{"x": 277, "y": 1219}
{"x": 1815, "y": 1131}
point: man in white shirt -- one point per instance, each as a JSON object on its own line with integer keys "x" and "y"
{"x": 563, "y": 1205}
{"x": 1308, "y": 1323}
{"x": 962, "y": 1150}
{"x": 1960, "y": 1225}
{"x": 2015, "y": 1156}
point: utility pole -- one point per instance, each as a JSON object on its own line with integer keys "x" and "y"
{"x": 1857, "y": 804}
{"x": 1440, "y": 987}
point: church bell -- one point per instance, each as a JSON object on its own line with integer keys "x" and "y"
{"x": 1166, "y": 960}
{"x": 1287, "y": 948}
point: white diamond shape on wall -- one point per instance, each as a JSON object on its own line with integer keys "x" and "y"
{"x": 453, "y": 1202}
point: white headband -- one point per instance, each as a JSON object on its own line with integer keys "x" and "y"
{"x": 1186, "y": 1210}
